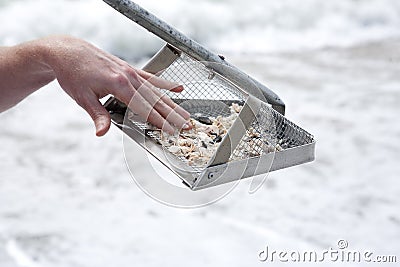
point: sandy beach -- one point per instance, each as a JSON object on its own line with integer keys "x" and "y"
{"x": 67, "y": 198}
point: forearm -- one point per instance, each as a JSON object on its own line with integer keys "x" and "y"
{"x": 22, "y": 71}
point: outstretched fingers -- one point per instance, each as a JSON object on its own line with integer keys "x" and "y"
{"x": 133, "y": 98}
{"x": 144, "y": 109}
{"x": 160, "y": 82}
{"x": 178, "y": 109}
{"x": 164, "y": 105}
{"x": 137, "y": 89}
{"x": 154, "y": 81}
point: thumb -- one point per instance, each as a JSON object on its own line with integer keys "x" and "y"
{"x": 98, "y": 113}
{"x": 102, "y": 123}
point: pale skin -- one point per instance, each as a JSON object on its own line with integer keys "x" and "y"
{"x": 87, "y": 74}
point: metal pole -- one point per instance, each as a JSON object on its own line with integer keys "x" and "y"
{"x": 172, "y": 36}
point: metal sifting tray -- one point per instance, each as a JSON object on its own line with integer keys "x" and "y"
{"x": 260, "y": 140}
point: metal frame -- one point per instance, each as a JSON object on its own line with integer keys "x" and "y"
{"x": 219, "y": 170}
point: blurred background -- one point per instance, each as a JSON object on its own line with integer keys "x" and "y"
{"x": 67, "y": 198}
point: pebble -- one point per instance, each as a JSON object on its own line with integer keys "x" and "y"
{"x": 217, "y": 139}
{"x": 205, "y": 120}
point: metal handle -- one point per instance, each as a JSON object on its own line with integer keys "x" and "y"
{"x": 172, "y": 36}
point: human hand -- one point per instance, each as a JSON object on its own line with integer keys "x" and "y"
{"x": 87, "y": 73}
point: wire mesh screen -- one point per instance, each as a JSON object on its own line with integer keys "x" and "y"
{"x": 208, "y": 94}
{"x": 270, "y": 132}
{"x": 200, "y": 82}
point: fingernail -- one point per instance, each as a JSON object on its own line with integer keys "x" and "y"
{"x": 101, "y": 126}
{"x": 186, "y": 126}
{"x": 178, "y": 88}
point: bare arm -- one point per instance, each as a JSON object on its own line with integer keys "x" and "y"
{"x": 22, "y": 71}
{"x": 87, "y": 74}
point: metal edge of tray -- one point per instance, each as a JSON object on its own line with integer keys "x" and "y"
{"x": 162, "y": 59}
{"x": 137, "y": 135}
{"x": 228, "y": 172}
{"x": 236, "y": 132}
